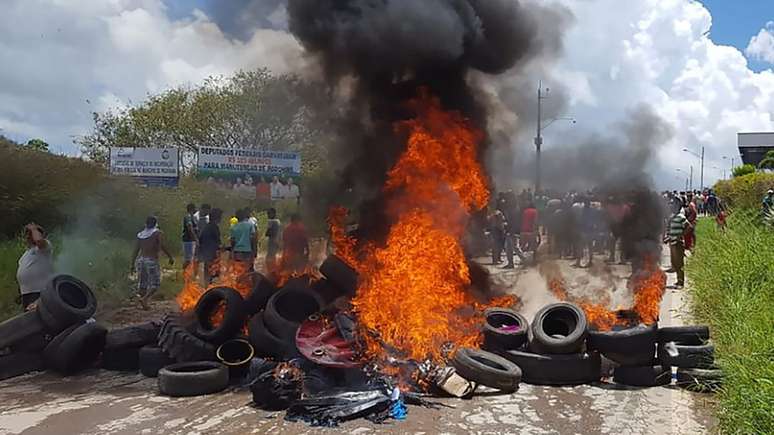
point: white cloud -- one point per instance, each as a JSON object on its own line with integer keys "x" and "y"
{"x": 761, "y": 46}
{"x": 68, "y": 52}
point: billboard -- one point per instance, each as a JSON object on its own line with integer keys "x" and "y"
{"x": 151, "y": 166}
{"x": 235, "y": 162}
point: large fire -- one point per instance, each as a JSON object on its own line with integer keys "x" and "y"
{"x": 413, "y": 289}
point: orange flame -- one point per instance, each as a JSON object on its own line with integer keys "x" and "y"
{"x": 233, "y": 274}
{"x": 413, "y": 289}
{"x": 344, "y": 245}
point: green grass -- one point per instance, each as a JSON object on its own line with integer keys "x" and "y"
{"x": 732, "y": 274}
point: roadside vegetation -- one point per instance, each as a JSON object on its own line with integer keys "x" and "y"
{"x": 732, "y": 272}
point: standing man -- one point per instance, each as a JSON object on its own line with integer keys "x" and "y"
{"x": 209, "y": 245}
{"x": 295, "y": 245}
{"x": 678, "y": 225}
{"x": 36, "y": 266}
{"x": 529, "y": 231}
{"x": 273, "y": 229}
{"x": 587, "y": 223}
{"x": 149, "y": 244}
{"x": 292, "y": 192}
{"x": 262, "y": 190}
{"x": 497, "y": 229}
{"x": 202, "y": 216}
{"x": 190, "y": 236}
{"x": 691, "y": 213}
{"x": 243, "y": 241}
{"x": 277, "y": 189}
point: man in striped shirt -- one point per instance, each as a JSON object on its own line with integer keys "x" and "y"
{"x": 678, "y": 225}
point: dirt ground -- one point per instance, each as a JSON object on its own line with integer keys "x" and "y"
{"x": 102, "y": 402}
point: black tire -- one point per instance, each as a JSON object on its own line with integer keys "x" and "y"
{"x": 67, "y": 301}
{"x": 343, "y": 277}
{"x": 498, "y": 338}
{"x": 152, "y": 359}
{"x": 267, "y": 344}
{"x": 182, "y": 345}
{"x": 233, "y": 317}
{"x": 20, "y": 363}
{"x": 688, "y": 357}
{"x": 565, "y": 369}
{"x": 688, "y": 335}
{"x": 20, "y": 328}
{"x": 559, "y": 328}
{"x": 487, "y": 369}
{"x": 632, "y": 347}
{"x": 75, "y": 349}
{"x": 288, "y": 308}
{"x": 121, "y": 360}
{"x": 262, "y": 290}
{"x": 133, "y": 336}
{"x": 644, "y": 376}
{"x": 236, "y": 354}
{"x": 192, "y": 379}
{"x": 700, "y": 380}
{"x": 34, "y": 343}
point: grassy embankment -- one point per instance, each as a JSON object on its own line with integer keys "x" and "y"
{"x": 732, "y": 275}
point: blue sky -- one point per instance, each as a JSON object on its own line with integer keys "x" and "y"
{"x": 734, "y": 22}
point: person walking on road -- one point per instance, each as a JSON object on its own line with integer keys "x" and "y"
{"x": 273, "y": 232}
{"x": 209, "y": 245}
{"x": 497, "y": 229}
{"x": 190, "y": 236}
{"x": 149, "y": 243}
{"x": 295, "y": 245}
{"x": 243, "y": 240}
{"x": 691, "y": 213}
{"x": 678, "y": 225}
{"x": 36, "y": 266}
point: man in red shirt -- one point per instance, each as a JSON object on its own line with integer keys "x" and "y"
{"x": 691, "y": 214}
{"x": 295, "y": 246}
{"x": 528, "y": 233}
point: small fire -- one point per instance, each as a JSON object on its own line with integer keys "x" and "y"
{"x": 234, "y": 274}
{"x": 412, "y": 294}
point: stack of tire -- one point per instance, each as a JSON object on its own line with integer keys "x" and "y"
{"x": 633, "y": 352}
{"x": 689, "y": 349}
{"x": 57, "y": 335}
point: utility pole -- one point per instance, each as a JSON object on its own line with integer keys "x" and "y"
{"x": 701, "y": 182}
{"x": 538, "y": 137}
{"x": 691, "y": 186}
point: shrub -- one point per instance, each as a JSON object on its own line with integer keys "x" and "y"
{"x": 741, "y": 171}
{"x": 745, "y": 191}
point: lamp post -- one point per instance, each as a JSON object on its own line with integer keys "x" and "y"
{"x": 732, "y": 162}
{"x": 721, "y": 170}
{"x": 540, "y": 127}
{"x": 690, "y": 177}
{"x": 701, "y": 157}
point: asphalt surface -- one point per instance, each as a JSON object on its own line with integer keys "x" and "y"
{"x": 102, "y": 402}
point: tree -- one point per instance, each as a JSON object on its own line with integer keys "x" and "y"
{"x": 743, "y": 170}
{"x": 37, "y": 145}
{"x": 253, "y": 109}
{"x": 768, "y": 161}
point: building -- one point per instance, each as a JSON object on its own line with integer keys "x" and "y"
{"x": 754, "y": 146}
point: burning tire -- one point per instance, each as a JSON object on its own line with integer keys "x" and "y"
{"x": 192, "y": 379}
{"x": 559, "y": 328}
{"x": 236, "y": 354}
{"x": 633, "y": 347}
{"x": 644, "y": 376}
{"x": 75, "y": 349}
{"x": 342, "y": 275}
{"x": 180, "y": 344}
{"x": 688, "y": 335}
{"x": 234, "y": 315}
{"x": 18, "y": 329}
{"x": 688, "y": 357}
{"x": 564, "y": 369}
{"x": 487, "y": 369}
{"x": 65, "y": 302}
{"x": 133, "y": 336}
{"x": 152, "y": 359}
{"x": 262, "y": 290}
{"x": 504, "y": 329}
{"x": 288, "y": 308}
{"x": 20, "y": 363}
{"x": 700, "y": 380}
{"x": 266, "y": 343}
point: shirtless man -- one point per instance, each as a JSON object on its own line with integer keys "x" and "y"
{"x": 149, "y": 243}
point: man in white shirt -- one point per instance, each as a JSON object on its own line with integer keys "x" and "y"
{"x": 292, "y": 191}
{"x": 36, "y": 266}
{"x": 277, "y": 189}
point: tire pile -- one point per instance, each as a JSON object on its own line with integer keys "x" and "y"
{"x": 559, "y": 349}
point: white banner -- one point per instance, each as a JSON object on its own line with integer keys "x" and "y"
{"x": 145, "y": 162}
{"x": 235, "y": 161}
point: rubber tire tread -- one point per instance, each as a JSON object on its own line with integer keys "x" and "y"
{"x": 139, "y": 335}
{"x": 689, "y": 357}
{"x": 62, "y": 314}
{"x": 121, "y": 360}
{"x": 262, "y": 290}
{"x": 558, "y": 369}
{"x": 632, "y": 347}
{"x": 467, "y": 363}
{"x": 79, "y": 349}
{"x": 152, "y": 359}
{"x": 234, "y": 315}
{"x": 20, "y": 328}
{"x": 687, "y": 335}
{"x": 265, "y": 343}
{"x": 212, "y": 378}
{"x": 495, "y": 339}
{"x": 540, "y": 342}
{"x": 181, "y": 344}
{"x": 643, "y": 376}
{"x": 281, "y": 327}
{"x": 20, "y": 363}
{"x": 340, "y": 274}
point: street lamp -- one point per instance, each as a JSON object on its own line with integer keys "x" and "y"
{"x": 702, "y": 165}
{"x": 690, "y": 177}
{"x": 721, "y": 170}
{"x": 540, "y": 128}
{"x": 732, "y": 162}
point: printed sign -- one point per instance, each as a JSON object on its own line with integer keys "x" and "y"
{"x": 152, "y": 166}
{"x": 230, "y": 162}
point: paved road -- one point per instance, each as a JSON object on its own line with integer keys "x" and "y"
{"x": 101, "y": 402}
